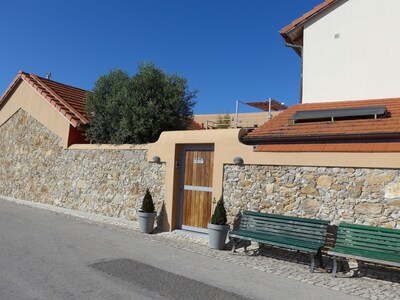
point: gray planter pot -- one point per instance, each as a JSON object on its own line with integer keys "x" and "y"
{"x": 146, "y": 221}
{"x": 217, "y": 236}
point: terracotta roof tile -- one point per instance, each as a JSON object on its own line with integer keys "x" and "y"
{"x": 393, "y": 147}
{"x": 195, "y": 126}
{"x": 68, "y": 100}
{"x": 381, "y": 147}
{"x": 313, "y": 147}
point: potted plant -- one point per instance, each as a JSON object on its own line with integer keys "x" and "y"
{"x": 147, "y": 214}
{"x": 218, "y": 229}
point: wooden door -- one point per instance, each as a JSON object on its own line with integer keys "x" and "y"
{"x": 197, "y": 188}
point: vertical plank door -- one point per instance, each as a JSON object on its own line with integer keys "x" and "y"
{"x": 197, "y": 189}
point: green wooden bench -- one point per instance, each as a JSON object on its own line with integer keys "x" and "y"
{"x": 301, "y": 234}
{"x": 366, "y": 243}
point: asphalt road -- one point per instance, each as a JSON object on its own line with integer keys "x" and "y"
{"x": 44, "y": 255}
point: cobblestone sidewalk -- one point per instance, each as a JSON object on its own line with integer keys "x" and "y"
{"x": 372, "y": 283}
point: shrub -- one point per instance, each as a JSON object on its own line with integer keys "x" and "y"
{"x": 224, "y": 121}
{"x": 219, "y": 216}
{"x": 126, "y": 109}
{"x": 147, "y": 205}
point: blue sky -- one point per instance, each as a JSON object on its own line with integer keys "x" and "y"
{"x": 227, "y": 49}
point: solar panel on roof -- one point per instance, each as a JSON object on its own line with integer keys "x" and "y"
{"x": 339, "y": 113}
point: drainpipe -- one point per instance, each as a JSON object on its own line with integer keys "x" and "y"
{"x": 301, "y": 64}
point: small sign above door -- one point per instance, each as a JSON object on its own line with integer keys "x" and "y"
{"x": 198, "y": 161}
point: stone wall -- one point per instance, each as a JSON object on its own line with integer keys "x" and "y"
{"x": 33, "y": 166}
{"x": 363, "y": 196}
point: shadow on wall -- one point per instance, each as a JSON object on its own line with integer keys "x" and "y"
{"x": 236, "y": 220}
{"x": 162, "y": 219}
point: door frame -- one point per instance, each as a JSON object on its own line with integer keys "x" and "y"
{"x": 200, "y": 147}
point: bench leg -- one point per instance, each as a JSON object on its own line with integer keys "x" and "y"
{"x": 233, "y": 245}
{"x": 245, "y": 246}
{"x": 320, "y": 261}
{"x": 334, "y": 270}
{"x": 312, "y": 263}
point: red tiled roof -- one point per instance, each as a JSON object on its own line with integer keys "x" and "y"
{"x": 306, "y": 16}
{"x": 195, "y": 126}
{"x": 68, "y": 100}
{"x": 343, "y": 147}
{"x": 359, "y": 135}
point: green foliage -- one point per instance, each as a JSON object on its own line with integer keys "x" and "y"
{"x": 137, "y": 109}
{"x": 219, "y": 216}
{"x": 224, "y": 121}
{"x": 148, "y": 204}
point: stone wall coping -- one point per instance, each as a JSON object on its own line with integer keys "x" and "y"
{"x": 108, "y": 147}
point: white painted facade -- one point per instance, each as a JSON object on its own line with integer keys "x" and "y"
{"x": 352, "y": 52}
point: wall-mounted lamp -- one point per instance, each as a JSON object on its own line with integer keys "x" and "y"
{"x": 156, "y": 159}
{"x": 238, "y": 160}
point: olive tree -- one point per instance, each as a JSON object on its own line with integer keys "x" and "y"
{"x": 136, "y": 109}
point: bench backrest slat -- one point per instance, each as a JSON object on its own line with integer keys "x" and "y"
{"x": 296, "y": 227}
{"x": 290, "y": 230}
{"x": 376, "y": 234}
{"x": 369, "y": 238}
{"x": 283, "y": 217}
{"x": 284, "y": 221}
{"x": 357, "y": 237}
{"x": 282, "y": 227}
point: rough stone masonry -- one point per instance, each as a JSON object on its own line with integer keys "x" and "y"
{"x": 362, "y": 196}
{"x": 33, "y": 166}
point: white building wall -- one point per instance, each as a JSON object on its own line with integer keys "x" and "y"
{"x": 352, "y": 52}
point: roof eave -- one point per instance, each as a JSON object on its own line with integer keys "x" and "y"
{"x": 289, "y": 41}
{"x": 298, "y": 24}
{"x": 323, "y": 139}
{"x": 11, "y": 87}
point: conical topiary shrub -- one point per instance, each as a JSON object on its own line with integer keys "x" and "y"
{"x": 219, "y": 216}
{"x": 148, "y": 204}
{"x": 218, "y": 229}
{"x": 147, "y": 214}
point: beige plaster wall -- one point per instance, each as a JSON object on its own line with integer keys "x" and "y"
{"x": 27, "y": 98}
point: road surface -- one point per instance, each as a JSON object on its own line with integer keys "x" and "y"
{"x": 44, "y": 255}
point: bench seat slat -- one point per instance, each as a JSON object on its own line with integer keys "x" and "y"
{"x": 373, "y": 260}
{"x": 284, "y": 239}
{"x": 287, "y": 243}
{"x": 366, "y": 254}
